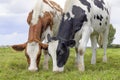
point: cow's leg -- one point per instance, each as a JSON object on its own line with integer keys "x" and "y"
{"x": 46, "y": 59}
{"x": 82, "y": 47}
{"x": 76, "y": 49}
{"x": 46, "y": 55}
{"x": 77, "y": 57}
{"x": 105, "y": 42}
{"x": 94, "y": 47}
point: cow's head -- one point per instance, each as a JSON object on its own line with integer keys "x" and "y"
{"x": 32, "y": 53}
{"x": 33, "y": 46}
{"x": 59, "y": 51}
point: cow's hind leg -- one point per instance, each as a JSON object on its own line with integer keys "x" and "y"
{"x": 46, "y": 59}
{"x": 94, "y": 47}
{"x": 105, "y": 42}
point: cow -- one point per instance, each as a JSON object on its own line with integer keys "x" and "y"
{"x": 81, "y": 20}
{"x": 43, "y": 19}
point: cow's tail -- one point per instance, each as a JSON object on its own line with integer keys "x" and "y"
{"x": 37, "y": 11}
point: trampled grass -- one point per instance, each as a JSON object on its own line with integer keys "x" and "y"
{"x": 13, "y": 66}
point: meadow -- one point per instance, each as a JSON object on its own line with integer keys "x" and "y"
{"x": 13, "y": 66}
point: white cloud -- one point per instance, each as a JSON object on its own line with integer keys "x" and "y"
{"x": 5, "y": 1}
{"x": 13, "y": 23}
{"x": 14, "y": 38}
{"x": 115, "y": 19}
{"x": 114, "y": 2}
{"x": 115, "y": 12}
{"x": 117, "y": 35}
{"x": 16, "y": 6}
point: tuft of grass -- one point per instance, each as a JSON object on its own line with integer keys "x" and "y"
{"x": 13, "y": 66}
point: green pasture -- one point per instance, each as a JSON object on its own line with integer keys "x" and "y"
{"x": 13, "y": 66}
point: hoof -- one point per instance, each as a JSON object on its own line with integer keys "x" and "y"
{"x": 81, "y": 68}
{"x": 105, "y": 59}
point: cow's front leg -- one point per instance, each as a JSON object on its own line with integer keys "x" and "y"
{"x": 82, "y": 47}
{"x": 79, "y": 61}
{"x": 46, "y": 59}
{"x": 80, "y": 64}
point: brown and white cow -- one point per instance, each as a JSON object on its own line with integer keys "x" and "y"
{"x": 43, "y": 20}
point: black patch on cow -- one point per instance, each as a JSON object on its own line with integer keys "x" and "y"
{"x": 106, "y": 18}
{"x": 102, "y": 1}
{"x": 68, "y": 15}
{"x": 106, "y": 23}
{"x": 99, "y": 4}
{"x": 100, "y": 24}
{"x": 79, "y": 18}
{"x": 94, "y": 17}
{"x": 107, "y": 11}
{"x": 86, "y": 3}
{"x": 99, "y": 17}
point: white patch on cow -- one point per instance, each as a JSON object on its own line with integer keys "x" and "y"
{"x": 71, "y": 16}
{"x": 52, "y": 51}
{"x": 67, "y": 3}
{"x": 39, "y": 10}
{"x": 32, "y": 51}
{"x": 45, "y": 33}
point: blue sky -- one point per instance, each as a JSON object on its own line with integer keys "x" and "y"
{"x": 14, "y": 28}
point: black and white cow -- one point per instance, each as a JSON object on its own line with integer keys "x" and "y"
{"x": 82, "y": 19}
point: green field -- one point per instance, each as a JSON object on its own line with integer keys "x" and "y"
{"x": 13, "y": 66}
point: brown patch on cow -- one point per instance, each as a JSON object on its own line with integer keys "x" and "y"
{"x": 29, "y": 18}
{"x": 35, "y": 31}
{"x": 47, "y": 20}
{"x": 81, "y": 52}
{"x": 53, "y": 5}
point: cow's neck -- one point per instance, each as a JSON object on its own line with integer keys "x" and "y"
{"x": 35, "y": 32}
{"x": 66, "y": 31}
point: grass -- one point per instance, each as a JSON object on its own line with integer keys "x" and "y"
{"x": 13, "y": 66}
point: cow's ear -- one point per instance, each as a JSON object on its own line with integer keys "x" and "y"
{"x": 43, "y": 46}
{"x": 49, "y": 38}
{"x": 19, "y": 47}
{"x": 70, "y": 43}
